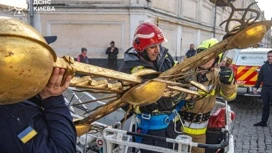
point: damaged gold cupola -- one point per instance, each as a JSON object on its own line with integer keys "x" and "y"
{"x": 26, "y": 61}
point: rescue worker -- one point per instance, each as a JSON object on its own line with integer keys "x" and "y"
{"x": 147, "y": 53}
{"x": 219, "y": 82}
{"x": 41, "y": 124}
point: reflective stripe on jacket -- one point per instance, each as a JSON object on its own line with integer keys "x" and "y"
{"x": 207, "y": 103}
{"x": 195, "y": 128}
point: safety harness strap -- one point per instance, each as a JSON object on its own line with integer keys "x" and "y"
{"x": 156, "y": 122}
{"x": 195, "y": 117}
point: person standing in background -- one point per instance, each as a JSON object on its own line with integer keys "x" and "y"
{"x": 83, "y": 56}
{"x": 112, "y": 53}
{"x": 191, "y": 52}
{"x": 265, "y": 77}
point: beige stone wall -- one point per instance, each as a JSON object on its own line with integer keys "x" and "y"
{"x": 166, "y": 5}
{"x": 170, "y": 32}
{"x": 206, "y": 15}
{"x": 189, "y": 36}
{"x": 93, "y": 31}
{"x": 189, "y": 9}
{"x": 92, "y": 1}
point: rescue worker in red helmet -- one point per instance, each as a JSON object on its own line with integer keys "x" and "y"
{"x": 147, "y": 53}
{"x": 219, "y": 82}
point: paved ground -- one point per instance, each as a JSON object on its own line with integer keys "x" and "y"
{"x": 248, "y": 139}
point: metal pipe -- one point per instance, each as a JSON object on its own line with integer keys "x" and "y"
{"x": 31, "y": 13}
{"x": 152, "y": 137}
{"x": 223, "y": 144}
{"x": 214, "y": 22}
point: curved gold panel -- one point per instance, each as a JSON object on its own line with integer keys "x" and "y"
{"x": 144, "y": 94}
{"x": 26, "y": 61}
{"x": 249, "y": 36}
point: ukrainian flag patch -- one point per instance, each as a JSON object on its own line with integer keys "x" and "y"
{"x": 27, "y": 134}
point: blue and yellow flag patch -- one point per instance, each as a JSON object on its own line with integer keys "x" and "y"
{"x": 27, "y": 134}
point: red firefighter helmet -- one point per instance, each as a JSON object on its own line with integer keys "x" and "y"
{"x": 147, "y": 34}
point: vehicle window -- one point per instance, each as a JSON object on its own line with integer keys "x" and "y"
{"x": 251, "y": 59}
{"x": 229, "y": 54}
{"x": 233, "y": 53}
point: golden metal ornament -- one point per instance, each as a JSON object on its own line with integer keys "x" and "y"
{"x": 144, "y": 94}
{"x": 23, "y": 75}
{"x": 247, "y": 37}
{"x": 82, "y": 129}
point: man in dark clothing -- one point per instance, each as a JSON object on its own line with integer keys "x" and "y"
{"x": 112, "y": 53}
{"x": 133, "y": 60}
{"x": 148, "y": 53}
{"x": 42, "y": 124}
{"x": 191, "y": 52}
{"x": 83, "y": 56}
{"x": 265, "y": 77}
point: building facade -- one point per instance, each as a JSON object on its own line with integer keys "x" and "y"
{"x": 94, "y": 23}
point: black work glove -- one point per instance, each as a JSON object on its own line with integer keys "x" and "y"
{"x": 226, "y": 75}
{"x": 163, "y": 105}
{"x": 190, "y": 104}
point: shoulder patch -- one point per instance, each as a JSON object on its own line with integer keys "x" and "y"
{"x": 136, "y": 68}
{"x": 27, "y": 134}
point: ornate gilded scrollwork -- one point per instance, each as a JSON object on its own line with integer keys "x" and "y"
{"x": 243, "y": 21}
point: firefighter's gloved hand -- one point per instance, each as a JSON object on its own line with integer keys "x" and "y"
{"x": 163, "y": 104}
{"x": 190, "y": 104}
{"x": 226, "y": 75}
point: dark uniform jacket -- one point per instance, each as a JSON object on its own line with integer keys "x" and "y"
{"x": 265, "y": 76}
{"x": 52, "y": 122}
{"x": 134, "y": 62}
{"x": 190, "y": 53}
{"x": 112, "y": 55}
